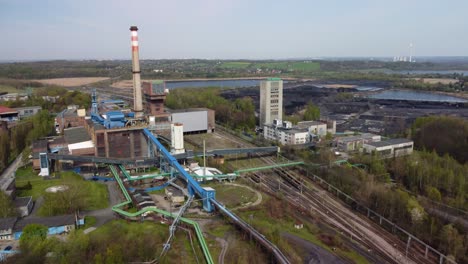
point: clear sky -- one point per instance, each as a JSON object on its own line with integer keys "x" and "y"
{"x": 231, "y": 29}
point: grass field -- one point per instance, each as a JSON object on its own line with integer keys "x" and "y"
{"x": 445, "y": 81}
{"x": 72, "y": 81}
{"x": 233, "y": 196}
{"x": 235, "y": 65}
{"x": 304, "y": 66}
{"x": 96, "y": 194}
{"x": 9, "y": 89}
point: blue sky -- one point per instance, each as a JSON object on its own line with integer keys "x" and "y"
{"x": 231, "y": 29}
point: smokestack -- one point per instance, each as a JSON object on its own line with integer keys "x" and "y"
{"x": 137, "y": 99}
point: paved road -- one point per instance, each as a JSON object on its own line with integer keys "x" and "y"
{"x": 105, "y": 215}
{"x": 315, "y": 254}
{"x": 9, "y": 172}
{"x": 37, "y": 204}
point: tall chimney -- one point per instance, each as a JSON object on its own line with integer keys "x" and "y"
{"x": 137, "y": 99}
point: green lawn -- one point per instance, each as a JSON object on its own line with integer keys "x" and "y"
{"x": 96, "y": 194}
{"x": 89, "y": 222}
{"x": 9, "y": 89}
{"x": 304, "y": 66}
{"x": 235, "y": 65}
{"x": 233, "y": 196}
{"x": 160, "y": 192}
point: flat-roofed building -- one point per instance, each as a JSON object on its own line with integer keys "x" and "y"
{"x": 194, "y": 120}
{"x": 390, "y": 148}
{"x": 8, "y": 114}
{"x": 79, "y": 142}
{"x": 286, "y": 136}
{"x": 28, "y": 111}
{"x": 69, "y": 118}
{"x": 355, "y": 143}
{"x": 6, "y": 228}
{"x": 317, "y": 128}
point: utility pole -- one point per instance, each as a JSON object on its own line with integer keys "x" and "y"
{"x": 204, "y": 161}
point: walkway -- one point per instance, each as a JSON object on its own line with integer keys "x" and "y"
{"x": 314, "y": 253}
{"x": 105, "y": 215}
{"x": 257, "y": 202}
{"x": 8, "y": 173}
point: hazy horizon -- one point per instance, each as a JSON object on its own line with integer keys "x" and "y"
{"x": 250, "y": 30}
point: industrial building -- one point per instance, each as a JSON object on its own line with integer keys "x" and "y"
{"x": 78, "y": 141}
{"x": 287, "y": 134}
{"x": 271, "y": 100}
{"x": 8, "y": 114}
{"x": 318, "y": 129}
{"x": 6, "y": 227}
{"x": 390, "y": 148}
{"x": 28, "y": 111}
{"x": 55, "y": 224}
{"x": 194, "y": 120}
{"x": 155, "y": 95}
{"x": 70, "y": 117}
{"x": 355, "y": 143}
{"x": 14, "y": 97}
{"x": 11, "y": 228}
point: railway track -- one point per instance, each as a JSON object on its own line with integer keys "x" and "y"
{"x": 382, "y": 245}
{"x": 376, "y": 240}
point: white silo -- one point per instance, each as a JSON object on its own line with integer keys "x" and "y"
{"x": 177, "y": 138}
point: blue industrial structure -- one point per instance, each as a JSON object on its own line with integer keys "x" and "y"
{"x": 168, "y": 164}
{"x": 114, "y": 119}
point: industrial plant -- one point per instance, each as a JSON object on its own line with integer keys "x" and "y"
{"x": 161, "y": 165}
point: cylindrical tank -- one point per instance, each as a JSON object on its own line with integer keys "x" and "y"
{"x": 177, "y": 138}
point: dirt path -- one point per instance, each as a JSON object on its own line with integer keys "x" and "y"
{"x": 224, "y": 245}
{"x": 257, "y": 202}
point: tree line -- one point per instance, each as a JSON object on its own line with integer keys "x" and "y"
{"x": 13, "y": 142}
{"x": 62, "y": 98}
{"x": 239, "y": 114}
{"x": 444, "y": 134}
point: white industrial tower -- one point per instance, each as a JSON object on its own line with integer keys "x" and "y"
{"x": 271, "y": 100}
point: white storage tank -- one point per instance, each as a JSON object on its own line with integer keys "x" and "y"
{"x": 177, "y": 138}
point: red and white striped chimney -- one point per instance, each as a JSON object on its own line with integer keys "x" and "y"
{"x": 137, "y": 96}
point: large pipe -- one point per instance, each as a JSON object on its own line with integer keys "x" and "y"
{"x": 137, "y": 99}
